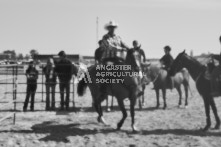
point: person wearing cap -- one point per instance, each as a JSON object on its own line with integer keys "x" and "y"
{"x": 32, "y": 76}
{"x": 216, "y": 75}
{"x": 112, "y": 44}
{"x": 64, "y": 71}
{"x": 50, "y": 83}
{"x": 98, "y": 53}
{"x": 167, "y": 61}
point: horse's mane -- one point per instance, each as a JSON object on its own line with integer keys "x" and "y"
{"x": 194, "y": 60}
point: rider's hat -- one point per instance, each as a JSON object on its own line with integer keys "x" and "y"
{"x": 136, "y": 42}
{"x": 111, "y": 24}
{"x": 167, "y": 48}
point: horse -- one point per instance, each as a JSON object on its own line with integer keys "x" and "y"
{"x": 118, "y": 90}
{"x": 158, "y": 76}
{"x": 198, "y": 73}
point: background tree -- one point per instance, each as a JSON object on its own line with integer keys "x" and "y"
{"x": 20, "y": 56}
{"x": 11, "y": 53}
{"x": 33, "y": 52}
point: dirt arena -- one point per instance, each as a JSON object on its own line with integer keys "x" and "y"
{"x": 173, "y": 127}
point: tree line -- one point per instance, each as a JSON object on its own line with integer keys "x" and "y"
{"x": 19, "y": 56}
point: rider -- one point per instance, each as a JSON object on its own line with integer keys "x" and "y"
{"x": 98, "y": 53}
{"x": 141, "y": 54}
{"x": 216, "y": 76}
{"x": 167, "y": 61}
{"x": 113, "y": 44}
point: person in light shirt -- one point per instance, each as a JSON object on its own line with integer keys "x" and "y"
{"x": 50, "y": 83}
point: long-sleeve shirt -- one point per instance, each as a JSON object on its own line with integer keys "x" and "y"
{"x": 141, "y": 53}
{"x": 167, "y": 61}
{"x": 112, "y": 44}
{"x": 50, "y": 74}
{"x": 32, "y": 75}
{"x": 64, "y": 70}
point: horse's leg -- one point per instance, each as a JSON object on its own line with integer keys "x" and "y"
{"x": 140, "y": 103}
{"x": 164, "y": 98}
{"x": 207, "y": 110}
{"x": 213, "y": 106}
{"x": 112, "y": 102}
{"x": 186, "y": 94}
{"x": 132, "y": 113}
{"x": 98, "y": 108}
{"x": 143, "y": 102}
{"x": 123, "y": 110}
{"x": 107, "y": 104}
{"x": 157, "y": 96}
{"x": 180, "y": 95}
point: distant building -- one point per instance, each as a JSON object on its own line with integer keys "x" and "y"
{"x": 89, "y": 59}
{"x": 44, "y": 57}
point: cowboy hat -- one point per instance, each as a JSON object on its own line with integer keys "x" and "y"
{"x": 111, "y": 24}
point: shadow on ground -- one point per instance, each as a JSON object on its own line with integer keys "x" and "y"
{"x": 59, "y": 133}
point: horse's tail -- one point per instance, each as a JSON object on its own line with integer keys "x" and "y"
{"x": 81, "y": 88}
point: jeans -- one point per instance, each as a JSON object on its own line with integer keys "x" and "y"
{"x": 50, "y": 90}
{"x": 31, "y": 89}
{"x": 64, "y": 86}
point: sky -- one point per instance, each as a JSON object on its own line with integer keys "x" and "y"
{"x": 70, "y": 25}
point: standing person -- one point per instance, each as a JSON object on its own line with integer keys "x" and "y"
{"x": 50, "y": 83}
{"x": 167, "y": 61}
{"x": 32, "y": 76}
{"x": 64, "y": 71}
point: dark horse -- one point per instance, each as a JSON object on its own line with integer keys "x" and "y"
{"x": 197, "y": 71}
{"x": 119, "y": 90}
{"x": 158, "y": 76}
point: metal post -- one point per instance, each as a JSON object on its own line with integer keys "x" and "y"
{"x": 73, "y": 94}
{"x": 15, "y": 92}
{"x": 13, "y": 86}
{"x": 42, "y": 85}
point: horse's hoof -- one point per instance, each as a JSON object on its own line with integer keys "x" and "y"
{"x": 143, "y": 104}
{"x": 165, "y": 107}
{"x": 134, "y": 129}
{"x": 179, "y": 106}
{"x": 186, "y": 106}
{"x": 206, "y": 128}
{"x": 102, "y": 120}
{"x": 217, "y": 127}
{"x": 157, "y": 106}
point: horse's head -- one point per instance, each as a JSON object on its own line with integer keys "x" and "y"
{"x": 178, "y": 63}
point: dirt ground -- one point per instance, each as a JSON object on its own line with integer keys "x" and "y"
{"x": 173, "y": 127}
